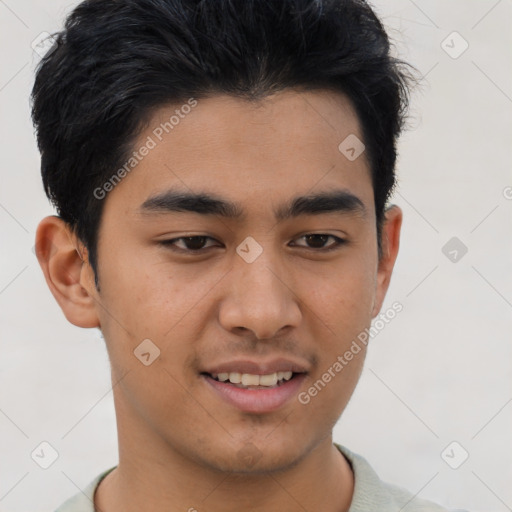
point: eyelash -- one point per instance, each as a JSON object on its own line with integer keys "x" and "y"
{"x": 170, "y": 243}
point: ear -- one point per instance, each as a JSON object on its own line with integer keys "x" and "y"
{"x": 67, "y": 271}
{"x": 390, "y": 239}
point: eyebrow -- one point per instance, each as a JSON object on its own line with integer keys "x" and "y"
{"x": 339, "y": 201}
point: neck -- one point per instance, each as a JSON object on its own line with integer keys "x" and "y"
{"x": 151, "y": 475}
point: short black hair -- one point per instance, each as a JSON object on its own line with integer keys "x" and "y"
{"x": 116, "y": 61}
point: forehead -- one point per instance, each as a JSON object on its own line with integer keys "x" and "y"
{"x": 291, "y": 116}
{"x": 288, "y": 143}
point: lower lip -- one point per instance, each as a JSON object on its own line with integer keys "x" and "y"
{"x": 257, "y": 400}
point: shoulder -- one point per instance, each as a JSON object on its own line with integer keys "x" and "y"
{"x": 83, "y": 501}
{"x": 372, "y": 494}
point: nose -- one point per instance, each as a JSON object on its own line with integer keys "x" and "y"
{"x": 259, "y": 298}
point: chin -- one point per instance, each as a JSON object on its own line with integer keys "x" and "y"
{"x": 253, "y": 460}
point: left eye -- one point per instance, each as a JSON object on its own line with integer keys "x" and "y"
{"x": 198, "y": 243}
{"x": 318, "y": 241}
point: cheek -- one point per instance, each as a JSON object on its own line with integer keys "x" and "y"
{"x": 342, "y": 303}
{"x": 162, "y": 398}
{"x": 342, "y": 298}
{"x": 327, "y": 391}
{"x": 150, "y": 297}
{"x": 156, "y": 303}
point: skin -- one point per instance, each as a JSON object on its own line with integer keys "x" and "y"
{"x": 180, "y": 445}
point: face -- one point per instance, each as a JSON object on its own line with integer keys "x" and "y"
{"x": 245, "y": 283}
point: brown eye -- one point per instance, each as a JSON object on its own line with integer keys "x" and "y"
{"x": 194, "y": 242}
{"x": 188, "y": 243}
{"x": 318, "y": 241}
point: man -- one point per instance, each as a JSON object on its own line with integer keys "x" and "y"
{"x": 221, "y": 171}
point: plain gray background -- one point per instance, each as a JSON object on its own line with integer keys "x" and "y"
{"x": 440, "y": 372}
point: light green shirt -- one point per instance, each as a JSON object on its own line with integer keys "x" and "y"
{"x": 370, "y": 493}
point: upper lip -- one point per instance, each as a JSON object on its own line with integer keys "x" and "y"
{"x": 257, "y": 368}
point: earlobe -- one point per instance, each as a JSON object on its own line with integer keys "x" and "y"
{"x": 390, "y": 245}
{"x": 67, "y": 271}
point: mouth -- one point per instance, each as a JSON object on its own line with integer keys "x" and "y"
{"x": 255, "y": 393}
{"x": 253, "y": 381}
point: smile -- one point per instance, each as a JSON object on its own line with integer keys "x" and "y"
{"x": 252, "y": 393}
{"x": 253, "y": 381}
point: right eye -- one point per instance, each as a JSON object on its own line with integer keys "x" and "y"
{"x": 190, "y": 244}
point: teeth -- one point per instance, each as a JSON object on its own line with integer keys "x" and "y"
{"x": 268, "y": 380}
{"x": 235, "y": 378}
{"x": 249, "y": 379}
